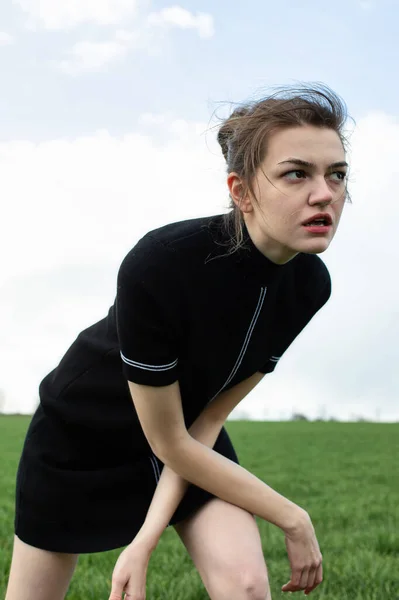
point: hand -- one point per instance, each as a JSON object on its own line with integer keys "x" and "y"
{"x": 305, "y": 558}
{"x": 130, "y": 572}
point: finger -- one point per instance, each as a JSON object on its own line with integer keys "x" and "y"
{"x": 293, "y": 584}
{"x": 304, "y": 579}
{"x": 117, "y": 590}
{"x": 311, "y": 578}
{"x": 317, "y": 580}
{"x": 288, "y": 587}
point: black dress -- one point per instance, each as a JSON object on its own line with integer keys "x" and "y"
{"x": 184, "y": 310}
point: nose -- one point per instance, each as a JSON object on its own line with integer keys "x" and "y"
{"x": 321, "y": 192}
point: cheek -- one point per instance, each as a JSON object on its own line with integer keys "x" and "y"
{"x": 338, "y": 211}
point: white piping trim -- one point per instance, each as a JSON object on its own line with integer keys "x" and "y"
{"x": 246, "y": 340}
{"x": 153, "y": 468}
{"x": 146, "y": 367}
{"x": 157, "y": 466}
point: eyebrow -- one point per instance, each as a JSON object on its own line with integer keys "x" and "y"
{"x": 310, "y": 165}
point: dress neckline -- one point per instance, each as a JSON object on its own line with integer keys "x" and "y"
{"x": 248, "y": 257}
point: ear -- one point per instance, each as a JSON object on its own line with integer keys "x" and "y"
{"x": 237, "y": 192}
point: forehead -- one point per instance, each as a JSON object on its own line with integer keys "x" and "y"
{"x": 314, "y": 144}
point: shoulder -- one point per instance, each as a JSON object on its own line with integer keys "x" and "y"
{"x": 145, "y": 255}
{"x": 312, "y": 279}
{"x": 311, "y": 268}
{"x": 148, "y": 270}
{"x": 170, "y": 246}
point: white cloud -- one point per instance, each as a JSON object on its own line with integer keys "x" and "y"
{"x": 92, "y": 56}
{"x": 180, "y": 17}
{"x": 56, "y": 14}
{"x": 6, "y": 39}
{"x": 86, "y": 176}
{"x": 82, "y": 204}
{"x": 78, "y": 209}
{"x": 95, "y": 56}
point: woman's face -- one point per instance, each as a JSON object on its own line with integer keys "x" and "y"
{"x": 306, "y": 175}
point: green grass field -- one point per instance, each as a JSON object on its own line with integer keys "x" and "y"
{"x": 346, "y": 475}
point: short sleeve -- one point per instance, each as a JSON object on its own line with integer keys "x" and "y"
{"x": 270, "y": 365}
{"x": 147, "y": 314}
{"x": 311, "y": 305}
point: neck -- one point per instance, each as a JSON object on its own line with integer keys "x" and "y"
{"x": 270, "y": 248}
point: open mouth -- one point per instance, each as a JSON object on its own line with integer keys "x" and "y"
{"x": 324, "y": 222}
{"x": 318, "y": 221}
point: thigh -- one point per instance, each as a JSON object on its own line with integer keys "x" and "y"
{"x": 37, "y": 574}
{"x": 224, "y": 543}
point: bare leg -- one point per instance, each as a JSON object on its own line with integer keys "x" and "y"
{"x": 37, "y": 574}
{"x": 224, "y": 543}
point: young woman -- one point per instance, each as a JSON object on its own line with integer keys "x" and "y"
{"x": 128, "y": 437}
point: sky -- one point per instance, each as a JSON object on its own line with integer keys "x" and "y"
{"x": 108, "y": 111}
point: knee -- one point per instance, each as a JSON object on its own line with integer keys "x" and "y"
{"x": 241, "y": 583}
{"x": 253, "y": 585}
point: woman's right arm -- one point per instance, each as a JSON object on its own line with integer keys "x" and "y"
{"x": 161, "y": 416}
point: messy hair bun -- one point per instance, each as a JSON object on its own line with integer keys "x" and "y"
{"x": 226, "y": 130}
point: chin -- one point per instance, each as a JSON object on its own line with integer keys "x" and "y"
{"x": 316, "y": 246}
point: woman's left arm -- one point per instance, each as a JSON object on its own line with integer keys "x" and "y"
{"x": 205, "y": 429}
{"x": 130, "y": 571}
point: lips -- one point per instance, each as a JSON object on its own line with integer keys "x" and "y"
{"x": 318, "y": 220}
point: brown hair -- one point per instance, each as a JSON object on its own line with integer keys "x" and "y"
{"x": 243, "y": 136}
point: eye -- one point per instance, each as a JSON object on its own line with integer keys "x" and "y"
{"x": 297, "y": 174}
{"x": 341, "y": 175}
{"x": 300, "y": 174}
